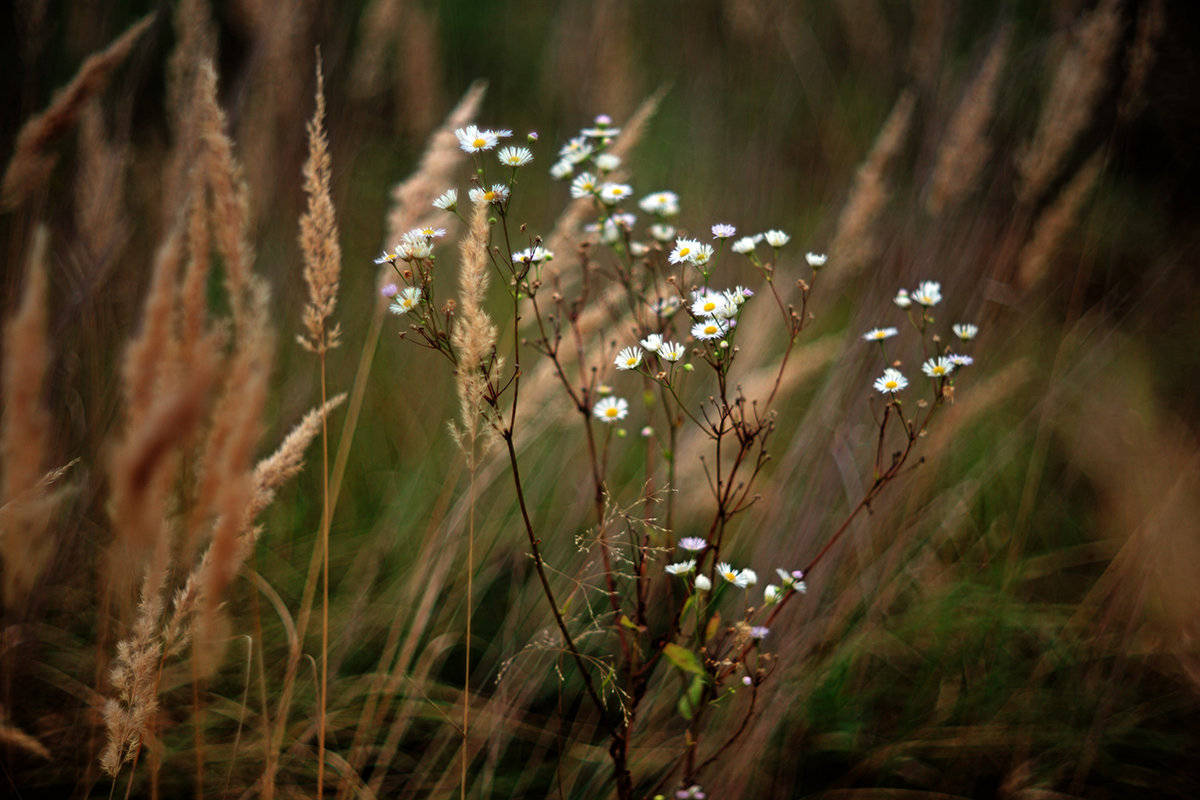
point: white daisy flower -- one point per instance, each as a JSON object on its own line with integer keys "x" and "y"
{"x": 891, "y": 381}
{"x": 447, "y": 201}
{"x": 496, "y": 195}
{"x": 711, "y": 328}
{"x": 576, "y": 150}
{"x": 816, "y": 259}
{"x": 611, "y": 409}
{"x": 414, "y": 247}
{"x": 385, "y": 258}
{"x": 693, "y": 543}
{"x": 709, "y": 304}
{"x": 666, "y": 306}
{"x": 429, "y": 232}
{"x": 474, "y": 140}
{"x": 745, "y": 245}
{"x": 772, "y": 594}
{"x": 776, "y": 238}
{"x": 584, "y": 185}
{"x": 652, "y": 342}
{"x": 671, "y": 351}
{"x": 405, "y": 301}
{"x": 515, "y": 156}
{"x": 959, "y": 360}
{"x": 879, "y": 334}
{"x": 661, "y": 232}
{"x": 561, "y": 169}
{"x": 738, "y": 578}
{"x": 532, "y": 255}
{"x": 938, "y": 367}
{"x": 702, "y": 255}
{"x": 965, "y": 331}
{"x": 638, "y": 249}
{"x": 759, "y": 632}
{"x": 723, "y": 230}
{"x": 685, "y": 250}
{"x": 902, "y": 299}
{"x": 607, "y": 162}
{"x": 613, "y": 193}
{"x": 664, "y": 204}
{"x": 681, "y": 568}
{"x": 390, "y": 290}
{"x": 929, "y": 293}
{"x": 629, "y": 358}
{"x": 702, "y": 583}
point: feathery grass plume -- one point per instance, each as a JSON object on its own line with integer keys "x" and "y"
{"x": 966, "y": 148}
{"x": 134, "y": 675}
{"x": 269, "y": 474}
{"x": 31, "y": 162}
{"x": 1055, "y": 223}
{"x": 474, "y": 336}
{"x": 319, "y": 235}
{"x": 100, "y": 214}
{"x": 1078, "y": 82}
{"x": 25, "y": 434}
{"x": 230, "y": 206}
{"x": 1140, "y": 58}
{"x": 413, "y": 197}
{"x": 854, "y": 241}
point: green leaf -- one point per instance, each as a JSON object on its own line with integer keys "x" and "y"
{"x": 683, "y": 658}
{"x": 689, "y": 701}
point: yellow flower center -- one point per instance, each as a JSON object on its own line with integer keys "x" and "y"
{"x": 611, "y": 411}
{"x": 479, "y": 141}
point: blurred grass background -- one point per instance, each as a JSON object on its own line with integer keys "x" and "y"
{"x": 1017, "y": 619}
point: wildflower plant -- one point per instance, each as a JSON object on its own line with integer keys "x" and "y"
{"x": 671, "y": 350}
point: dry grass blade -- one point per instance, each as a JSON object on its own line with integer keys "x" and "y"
{"x": 14, "y": 737}
{"x": 24, "y": 433}
{"x": 31, "y": 163}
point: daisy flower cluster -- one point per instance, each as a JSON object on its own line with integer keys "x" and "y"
{"x": 939, "y": 367}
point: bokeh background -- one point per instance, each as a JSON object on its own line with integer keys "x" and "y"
{"x": 1017, "y": 618}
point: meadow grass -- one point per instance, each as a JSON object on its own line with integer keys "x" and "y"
{"x": 465, "y": 593}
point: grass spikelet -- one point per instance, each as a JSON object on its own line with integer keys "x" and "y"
{"x": 319, "y": 235}
{"x": 134, "y": 675}
{"x": 31, "y": 163}
{"x": 1078, "y": 82}
{"x": 966, "y": 147}
{"x": 25, "y": 433}
{"x": 474, "y": 336}
{"x": 1055, "y": 223}
{"x": 854, "y": 243}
